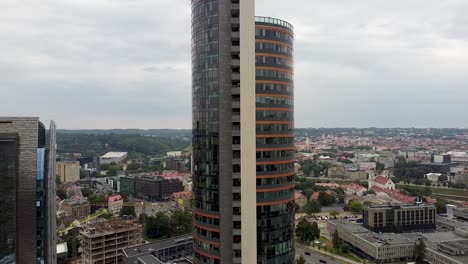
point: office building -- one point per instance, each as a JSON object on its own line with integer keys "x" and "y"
{"x": 164, "y": 251}
{"x": 380, "y": 248}
{"x": 154, "y": 188}
{"x": 27, "y": 191}
{"x": 103, "y": 242}
{"x": 242, "y": 126}
{"x": 399, "y": 218}
{"x": 68, "y": 171}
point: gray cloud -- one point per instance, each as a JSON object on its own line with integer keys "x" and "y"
{"x": 126, "y": 63}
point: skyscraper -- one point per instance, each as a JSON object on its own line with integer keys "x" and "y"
{"x": 275, "y": 140}
{"x": 27, "y": 191}
{"x": 243, "y": 174}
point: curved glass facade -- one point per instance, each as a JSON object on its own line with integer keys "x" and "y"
{"x": 205, "y": 118}
{"x": 275, "y": 140}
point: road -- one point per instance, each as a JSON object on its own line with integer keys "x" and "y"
{"x": 314, "y": 257}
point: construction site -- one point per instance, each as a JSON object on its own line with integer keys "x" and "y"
{"x": 103, "y": 242}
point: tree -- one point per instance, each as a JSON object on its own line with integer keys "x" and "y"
{"x": 312, "y": 207}
{"x": 441, "y": 206}
{"x": 326, "y": 199}
{"x": 334, "y": 213}
{"x": 307, "y": 231}
{"x": 133, "y": 166}
{"x": 301, "y": 260}
{"x": 420, "y": 252}
{"x": 336, "y": 240}
{"x": 128, "y": 210}
{"x": 62, "y": 194}
{"x": 181, "y": 222}
{"x": 355, "y": 206}
{"x": 97, "y": 202}
{"x": 86, "y": 192}
{"x": 442, "y": 178}
{"x": 112, "y": 171}
{"x": 58, "y": 180}
{"x": 158, "y": 226}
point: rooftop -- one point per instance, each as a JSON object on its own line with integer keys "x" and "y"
{"x": 114, "y": 155}
{"x": 108, "y": 228}
{"x": 271, "y": 20}
{"x": 162, "y": 244}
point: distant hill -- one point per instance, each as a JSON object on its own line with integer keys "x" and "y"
{"x": 170, "y": 133}
{"x": 90, "y": 144}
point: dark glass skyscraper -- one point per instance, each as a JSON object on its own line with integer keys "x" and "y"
{"x": 275, "y": 140}
{"x": 27, "y": 191}
{"x": 242, "y": 135}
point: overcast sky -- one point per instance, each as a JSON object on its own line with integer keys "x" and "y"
{"x": 126, "y": 63}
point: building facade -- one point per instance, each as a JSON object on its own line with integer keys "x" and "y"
{"x": 399, "y": 218}
{"x": 380, "y": 248}
{"x": 156, "y": 188}
{"x": 27, "y": 191}
{"x": 274, "y": 89}
{"x": 68, "y": 171}
{"x": 242, "y": 126}
{"x": 115, "y": 203}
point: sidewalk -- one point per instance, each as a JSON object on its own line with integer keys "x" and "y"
{"x": 333, "y": 256}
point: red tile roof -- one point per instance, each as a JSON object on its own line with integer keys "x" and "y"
{"x": 395, "y": 195}
{"x": 298, "y": 196}
{"x": 114, "y": 198}
{"x": 354, "y": 186}
{"x": 381, "y": 180}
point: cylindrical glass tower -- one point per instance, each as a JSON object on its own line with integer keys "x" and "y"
{"x": 275, "y": 140}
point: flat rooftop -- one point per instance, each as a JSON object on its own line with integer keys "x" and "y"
{"x": 352, "y": 227}
{"x": 151, "y": 247}
{"x": 108, "y": 227}
{"x": 378, "y": 239}
{"x": 114, "y": 155}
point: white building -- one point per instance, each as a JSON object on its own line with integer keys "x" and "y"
{"x": 115, "y": 157}
{"x": 433, "y": 177}
{"x": 115, "y": 203}
{"x": 174, "y": 153}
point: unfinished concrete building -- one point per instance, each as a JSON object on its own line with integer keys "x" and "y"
{"x": 102, "y": 243}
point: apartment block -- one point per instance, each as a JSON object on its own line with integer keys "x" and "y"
{"x": 68, "y": 171}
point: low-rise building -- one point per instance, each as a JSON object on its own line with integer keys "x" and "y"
{"x": 462, "y": 177}
{"x": 103, "y": 242}
{"x": 355, "y": 188}
{"x": 165, "y": 251}
{"x": 449, "y": 247}
{"x": 115, "y": 203}
{"x": 381, "y": 248}
{"x": 68, "y": 171}
{"x": 381, "y": 182}
{"x": 76, "y": 207}
{"x": 401, "y": 218}
{"x": 300, "y": 199}
{"x": 433, "y": 177}
{"x": 113, "y": 157}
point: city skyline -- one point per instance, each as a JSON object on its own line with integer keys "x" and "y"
{"x": 108, "y": 65}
